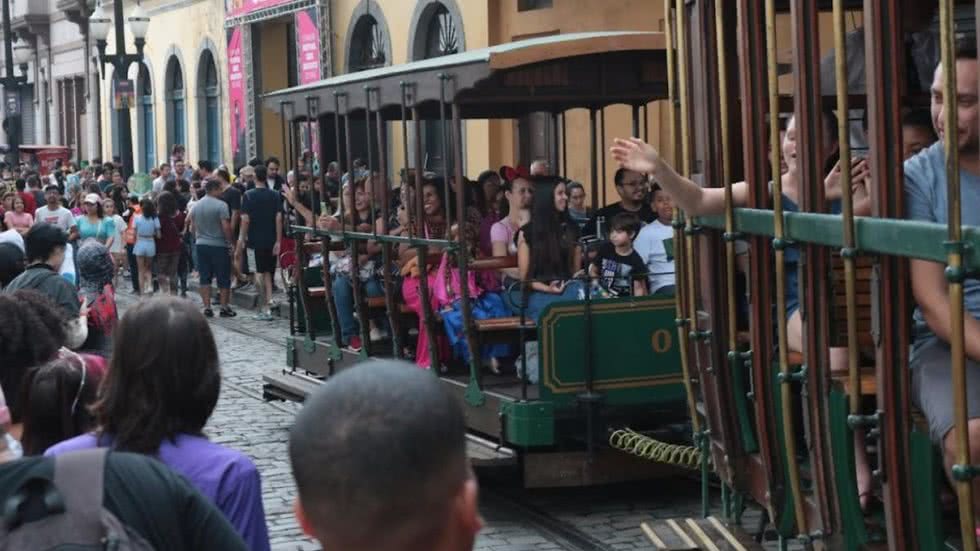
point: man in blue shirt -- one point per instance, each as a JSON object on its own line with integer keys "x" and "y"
{"x": 926, "y": 199}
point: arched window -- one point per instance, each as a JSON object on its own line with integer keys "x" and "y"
{"x": 208, "y": 109}
{"x": 440, "y": 39}
{"x": 176, "y": 106}
{"x": 367, "y": 48}
{"x": 144, "y": 91}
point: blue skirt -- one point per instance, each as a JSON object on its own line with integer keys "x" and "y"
{"x": 486, "y": 306}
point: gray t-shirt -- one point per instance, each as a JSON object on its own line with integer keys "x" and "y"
{"x": 206, "y": 217}
{"x": 925, "y": 199}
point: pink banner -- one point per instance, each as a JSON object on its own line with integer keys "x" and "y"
{"x": 308, "y": 47}
{"x": 308, "y": 66}
{"x": 236, "y": 94}
{"x": 235, "y": 8}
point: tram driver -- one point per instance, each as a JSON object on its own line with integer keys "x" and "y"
{"x": 926, "y": 199}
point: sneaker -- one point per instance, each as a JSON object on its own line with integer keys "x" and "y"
{"x": 264, "y": 316}
{"x": 227, "y": 312}
{"x": 378, "y": 334}
{"x": 208, "y": 313}
{"x": 354, "y": 345}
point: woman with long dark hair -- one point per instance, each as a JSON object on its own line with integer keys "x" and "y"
{"x": 157, "y": 402}
{"x": 433, "y": 225}
{"x": 547, "y": 251}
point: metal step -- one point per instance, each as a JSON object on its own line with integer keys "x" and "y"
{"x": 484, "y": 453}
{"x": 689, "y": 534}
{"x": 288, "y": 385}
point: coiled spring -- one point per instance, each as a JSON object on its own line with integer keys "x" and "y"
{"x": 641, "y": 445}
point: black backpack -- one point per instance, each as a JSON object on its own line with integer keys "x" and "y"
{"x": 66, "y": 513}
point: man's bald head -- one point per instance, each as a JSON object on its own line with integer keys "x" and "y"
{"x": 379, "y": 457}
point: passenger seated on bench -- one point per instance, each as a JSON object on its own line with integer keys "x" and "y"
{"x": 433, "y": 226}
{"x": 487, "y": 198}
{"x": 925, "y": 192}
{"x": 617, "y": 270}
{"x": 357, "y": 217}
{"x": 917, "y": 132}
{"x": 634, "y": 154}
{"x": 548, "y": 255}
{"x": 514, "y": 213}
{"x": 632, "y": 189}
{"x": 389, "y": 472}
{"x": 650, "y": 245}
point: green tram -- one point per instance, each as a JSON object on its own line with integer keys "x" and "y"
{"x": 781, "y": 426}
{"x": 603, "y": 365}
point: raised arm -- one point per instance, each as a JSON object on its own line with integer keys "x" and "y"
{"x": 639, "y": 156}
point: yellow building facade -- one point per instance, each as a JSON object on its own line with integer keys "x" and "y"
{"x": 180, "y": 88}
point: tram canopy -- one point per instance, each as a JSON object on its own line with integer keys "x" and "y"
{"x": 553, "y": 73}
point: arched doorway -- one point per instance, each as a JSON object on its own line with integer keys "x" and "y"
{"x": 147, "y": 123}
{"x": 208, "y": 109}
{"x": 176, "y": 106}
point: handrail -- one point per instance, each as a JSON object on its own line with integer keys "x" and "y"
{"x": 365, "y": 236}
{"x": 778, "y": 243}
{"x": 884, "y": 236}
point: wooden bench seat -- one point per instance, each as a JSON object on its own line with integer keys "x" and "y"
{"x": 503, "y": 324}
{"x": 868, "y": 381}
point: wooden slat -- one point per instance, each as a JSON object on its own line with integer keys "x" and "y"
{"x": 503, "y": 324}
{"x": 868, "y": 382}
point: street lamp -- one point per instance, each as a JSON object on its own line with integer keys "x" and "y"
{"x": 20, "y": 54}
{"x": 99, "y": 24}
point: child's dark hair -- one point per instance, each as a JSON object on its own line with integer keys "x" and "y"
{"x": 625, "y": 222}
{"x": 919, "y": 118}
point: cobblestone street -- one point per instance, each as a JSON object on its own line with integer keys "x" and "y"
{"x": 597, "y": 518}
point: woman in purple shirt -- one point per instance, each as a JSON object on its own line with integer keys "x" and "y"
{"x": 162, "y": 386}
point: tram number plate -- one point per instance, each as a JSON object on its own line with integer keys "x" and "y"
{"x": 662, "y": 340}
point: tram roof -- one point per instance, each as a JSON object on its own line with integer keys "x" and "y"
{"x": 553, "y": 73}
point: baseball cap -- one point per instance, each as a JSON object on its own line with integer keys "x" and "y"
{"x": 92, "y": 198}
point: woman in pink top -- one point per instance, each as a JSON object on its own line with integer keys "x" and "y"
{"x": 17, "y": 219}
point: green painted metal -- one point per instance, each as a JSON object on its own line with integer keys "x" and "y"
{"x": 638, "y": 364}
{"x": 739, "y": 374}
{"x": 309, "y": 345}
{"x": 290, "y": 353}
{"x": 474, "y": 395}
{"x": 529, "y": 423}
{"x": 907, "y": 238}
{"x": 842, "y": 450}
{"x": 704, "y": 442}
{"x": 785, "y": 521}
{"x": 926, "y": 486}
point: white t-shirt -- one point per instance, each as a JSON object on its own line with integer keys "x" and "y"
{"x": 649, "y": 244}
{"x": 118, "y": 241}
{"x": 60, "y": 217}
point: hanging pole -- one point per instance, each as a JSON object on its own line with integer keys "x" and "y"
{"x": 678, "y": 93}
{"x": 445, "y": 156}
{"x": 779, "y": 243}
{"x": 963, "y": 473}
{"x": 386, "y": 259}
{"x": 848, "y": 252}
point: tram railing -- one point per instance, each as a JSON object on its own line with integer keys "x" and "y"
{"x": 951, "y": 244}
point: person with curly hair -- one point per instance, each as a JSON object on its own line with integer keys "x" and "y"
{"x": 157, "y": 402}
{"x": 32, "y": 329}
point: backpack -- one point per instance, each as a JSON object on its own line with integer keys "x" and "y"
{"x": 66, "y": 513}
